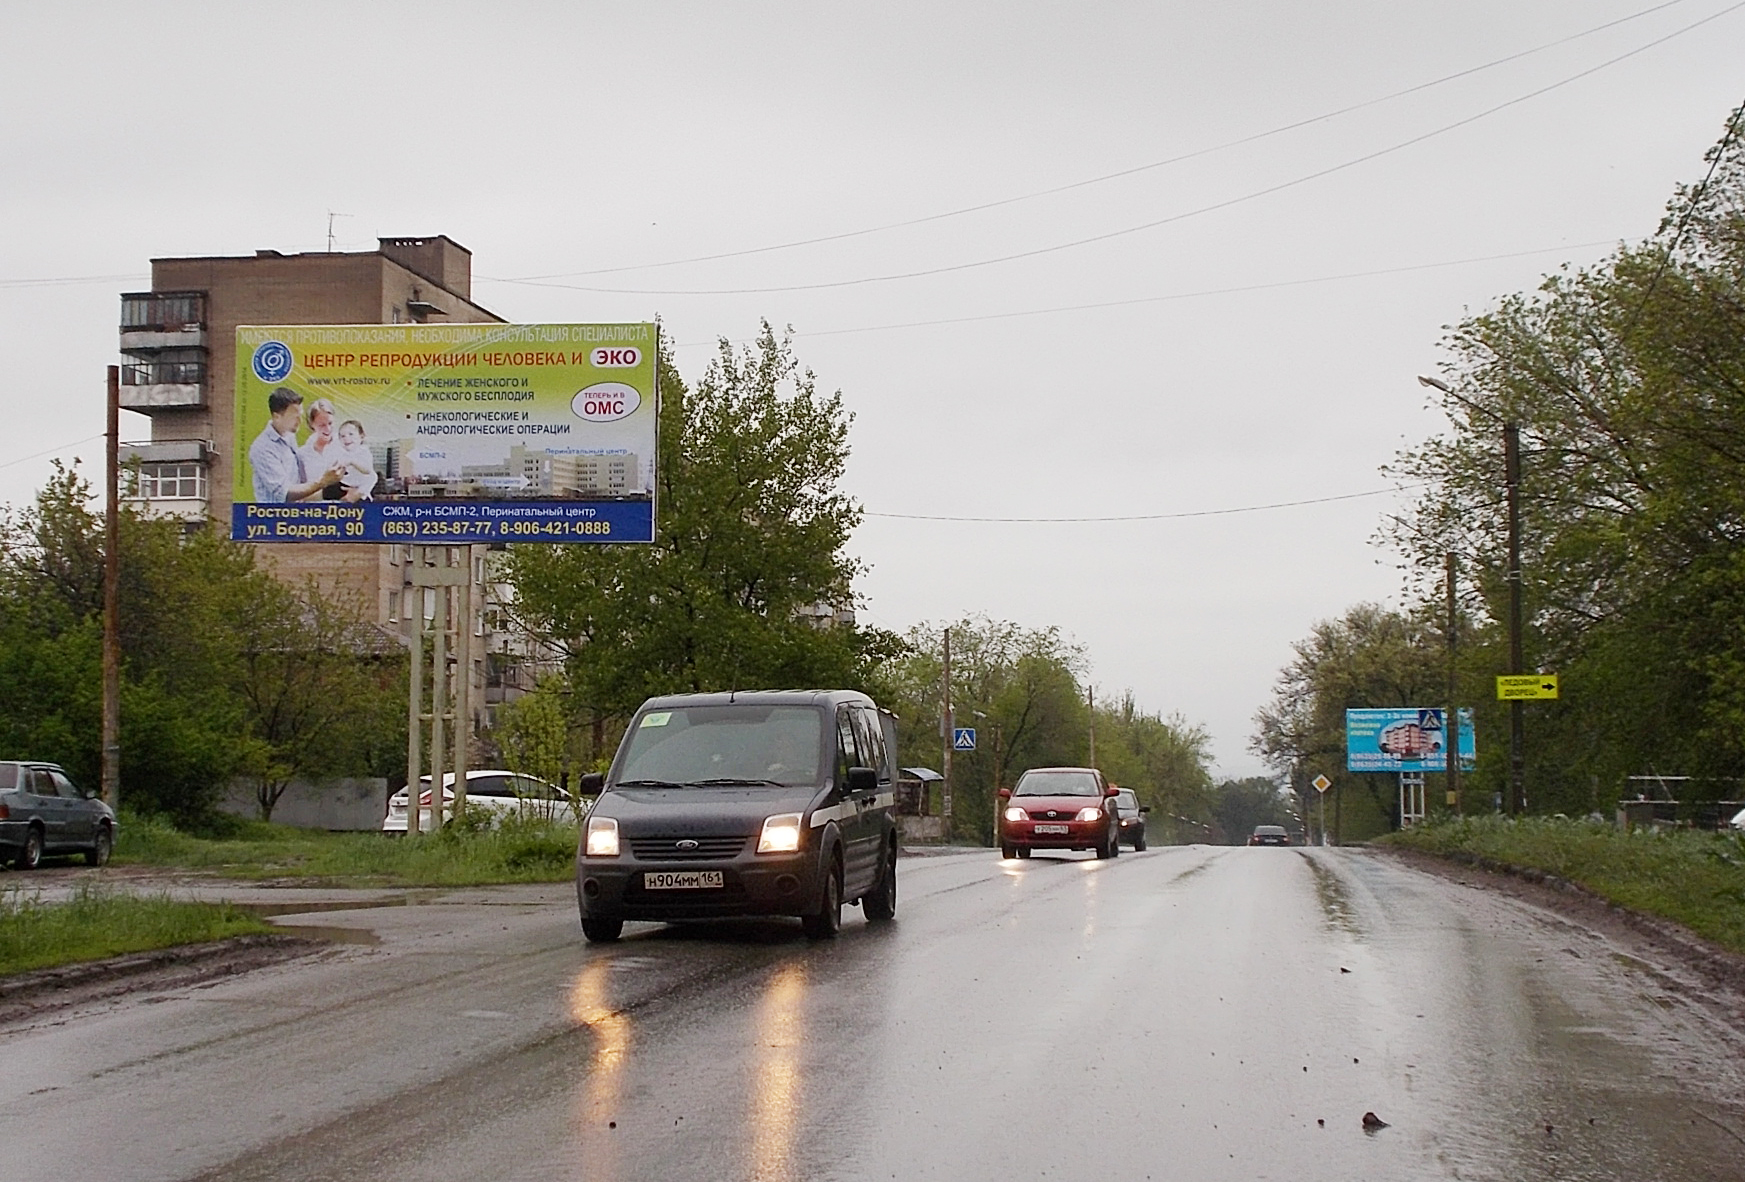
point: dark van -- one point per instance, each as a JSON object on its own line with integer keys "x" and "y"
{"x": 747, "y": 803}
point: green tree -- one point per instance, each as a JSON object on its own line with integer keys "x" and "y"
{"x": 1240, "y": 805}
{"x": 1164, "y": 761}
{"x": 214, "y": 654}
{"x": 534, "y": 733}
{"x": 1370, "y": 657}
{"x": 1627, "y": 380}
{"x": 1023, "y": 691}
{"x": 321, "y": 692}
{"x": 751, "y": 536}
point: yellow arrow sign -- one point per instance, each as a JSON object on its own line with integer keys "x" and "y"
{"x": 1526, "y": 686}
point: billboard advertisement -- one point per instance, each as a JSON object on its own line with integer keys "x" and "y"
{"x": 1404, "y": 739}
{"x": 445, "y": 434}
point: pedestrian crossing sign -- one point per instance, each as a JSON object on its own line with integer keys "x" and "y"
{"x": 963, "y": 738}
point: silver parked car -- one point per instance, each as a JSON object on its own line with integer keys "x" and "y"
{"x": 43, "y": 812}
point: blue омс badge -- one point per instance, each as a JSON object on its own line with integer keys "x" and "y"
{"x": 273, "y": 361}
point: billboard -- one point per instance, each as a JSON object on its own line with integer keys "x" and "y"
{"x": 1404, "y": 739}
{"x": 445, "y": 434}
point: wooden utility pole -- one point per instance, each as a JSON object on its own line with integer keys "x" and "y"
{"x": 111, "y": 785}
{"x": 1093, "y": 704}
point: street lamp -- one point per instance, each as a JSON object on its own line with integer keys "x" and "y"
{"x": 1512, "y": 484}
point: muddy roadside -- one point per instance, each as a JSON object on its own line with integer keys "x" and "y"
{"x": 32, "y": 996}
{"x": 1680, "y": 956}
{"x": 41, "y": 993}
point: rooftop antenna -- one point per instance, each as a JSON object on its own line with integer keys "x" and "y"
{"x": 330, "y": 216}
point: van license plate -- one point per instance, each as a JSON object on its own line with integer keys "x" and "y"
{"x": 1053, "y": 829}
{"x": 680, "y": 880}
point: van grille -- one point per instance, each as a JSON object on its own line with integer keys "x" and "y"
{"x": 666, "y": 849}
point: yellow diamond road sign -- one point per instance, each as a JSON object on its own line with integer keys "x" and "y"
{"x": 1526, "y": 686}
{"x": 1321, "y": 783}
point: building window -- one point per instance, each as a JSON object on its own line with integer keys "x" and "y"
{"x": 164, "y": 482}
{"x": 394, "y": 607}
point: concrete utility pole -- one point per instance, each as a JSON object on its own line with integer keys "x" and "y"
{"x": 946, "y": 729}
{"x": 1517, "y": 720}
{"x": 111, "y": 786}
{"x": 1453, "y": 730}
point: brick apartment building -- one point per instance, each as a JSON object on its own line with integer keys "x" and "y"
{"x": 178, "y": 345}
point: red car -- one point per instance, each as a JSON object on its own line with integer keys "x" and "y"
{"x": 1059, "y": 808}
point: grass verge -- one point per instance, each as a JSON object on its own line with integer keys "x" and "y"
{"x": 518, "y": 851}
{"x": 1694, "y": 877}
{"x": 96, "y": 924}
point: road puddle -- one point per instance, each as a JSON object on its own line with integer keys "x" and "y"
{"x": 333, "y": 935}
{"x": 270, "y": 910}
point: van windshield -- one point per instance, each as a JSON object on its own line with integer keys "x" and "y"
{"x": 725, "y": 746}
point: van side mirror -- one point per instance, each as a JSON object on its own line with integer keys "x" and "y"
{"x": 863, "y": 779}
{"x": 1145, "y": 808}
{"x": 1005, "y": 794}
{"x": 1111, "y": 790}
{"x": 591, "y": 783}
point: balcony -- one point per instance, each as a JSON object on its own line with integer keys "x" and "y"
{"x": 168, "y": 479}
{"x": 155, "y": 320}
{"x": 148, "y": 386}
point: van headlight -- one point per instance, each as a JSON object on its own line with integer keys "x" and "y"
{"x": 602, "y": 837}
{"x": 1090, "y": 814}
{"x": 1014, "y": 813}
{"x": 781, "y": 834}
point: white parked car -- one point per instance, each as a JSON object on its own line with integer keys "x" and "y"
{"x": 496, "y": 791}
{"x": 1738, "y": 821}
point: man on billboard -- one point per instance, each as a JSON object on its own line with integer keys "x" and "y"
{"x": 280, "y": 475}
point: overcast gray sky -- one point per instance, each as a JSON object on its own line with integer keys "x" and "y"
{"x": 1222, "y": 358}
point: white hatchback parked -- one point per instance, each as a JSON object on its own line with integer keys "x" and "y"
{"x": 498, "y": 792}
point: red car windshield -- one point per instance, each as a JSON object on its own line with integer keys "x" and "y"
{"x": 1058, "y": 784}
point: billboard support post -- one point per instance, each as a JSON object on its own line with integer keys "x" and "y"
{"x": 438, "y": 694}
{"x": 463, "y": 686}
{"x": 413, "y": 610}
{"x": 434, "y": 575}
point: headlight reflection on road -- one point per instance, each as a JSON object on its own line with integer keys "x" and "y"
{"x": 591, "y": 1006}
{"x": 779, "y": 1029}
{"x": 1091, "y": 872}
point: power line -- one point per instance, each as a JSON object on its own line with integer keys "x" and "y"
{"x": 1189, "y": 295}
{"x": 1147, "y": 516}
{"x": 1151, "y": 225}
{"x": 51, "y": 451}
{"x": 1117, "y": 175}
{"x": 64, "y": 280}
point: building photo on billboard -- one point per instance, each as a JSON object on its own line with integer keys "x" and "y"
{"x": 445, "y": 434}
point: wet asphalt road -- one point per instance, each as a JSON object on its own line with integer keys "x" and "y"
{"x": 1187, "y": 1013}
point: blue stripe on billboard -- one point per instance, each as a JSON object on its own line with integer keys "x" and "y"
{"x": 444, "y": 523}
